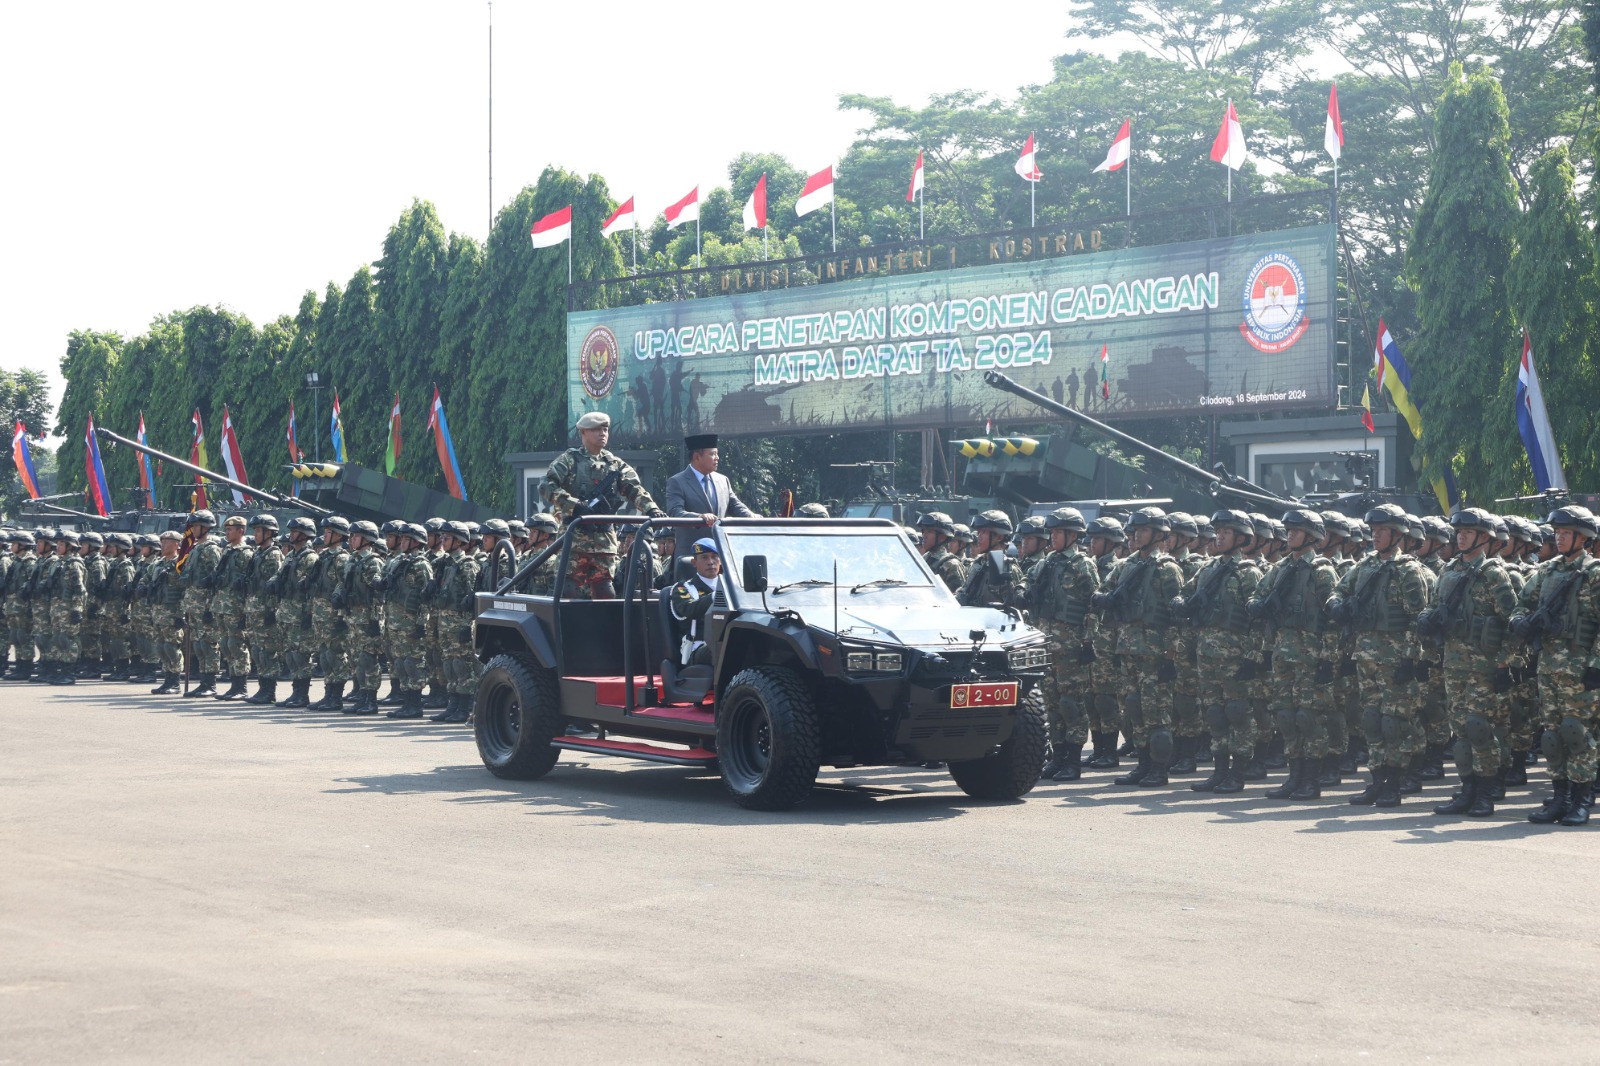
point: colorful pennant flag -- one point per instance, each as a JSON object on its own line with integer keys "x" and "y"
{"x": 1105, "y": 373}
{"x": 445, "y": 448}
{"x": 233, "y": 458}
{"x": 619, "y": 220}
{"x": 336, "y": 431}
{"x": 552, "y": 229}
{"x": 685, "y": 210}
{"x": 817, "y": 194}
{"x": 391, "y": 455}
{"x": 197, "y": 456}
{"x": 294, "y": 446}
{"x": 1027, "y": 165}
{"x": 95, "y": 473}
{"x": 24, "y": 460}
{"x": 1394, "y": 376}
{"x": 1366, "y": 409}
{"x": 755, "y": 208}
{"x": 1533, "y": 423}
{"x": 147, "y": 476}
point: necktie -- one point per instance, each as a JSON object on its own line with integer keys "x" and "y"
{"x": 711, "y": 493}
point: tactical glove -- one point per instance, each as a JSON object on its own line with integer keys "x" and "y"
{"x": 75, "y": 617}
{"x": 420, "y": 632}
{"x": 1247, "y": 670}
{"x": 1324, "y": 674}
{"x": 1166, "y": 671}
{"x": 1404, "y": 672}
{"x": 1502, "y": 680}
{"x": 338, "y": 599}
{"x": 1100, "y": 600}
{"x": 269, "y": 616}
{"x": 374, "y": 628}
{"x": 1591, "y": 678}
{"x": 207, "y": 617}
{"x": 1423, "y": 670}
{"x": 1255, "y": 609}
{"x": 1347, "y": 667}
{"x": 1523, "y": 626}
{"x": 1086, "y": 653}
{"x": 464, "y": 634}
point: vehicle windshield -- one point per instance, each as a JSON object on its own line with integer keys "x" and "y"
{"x": 793, "y": 558}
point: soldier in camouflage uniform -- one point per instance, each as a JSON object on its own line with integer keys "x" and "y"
{"x": 19, "y": 606}
{"x": 1424, "y": 543}
{"x": 7, "y": 560}
{"x": 232, "y": 584}
{"x": 116, "y": 597}
{"x": 39, "y": 594}
{"x": 590, "y": 480}
{"x": 1103, "y": 704}
{"x": 1468, "y": 622}
{"x": 1559, "y": 609}
{"x": 68, "y": 602}
{"x": 142, "y": 609}
{"x": 166, "y": 599}
{"x": 1522, "y": 734}
{"x": 435, "y": 698}
{"x": 1137, "y": 601}
{"x": 937, "y": 531}
{"x": 1187, "y": 721}
{"x": 1263, "y": 551}
{"x": 542, "y": 530}
{"x": 1379, "y": 599}
{"x": 327, "y": 614}
{"x": 91, "y": 661}
{"x": 1060, "y": 589}
{"x": 199, "y": 573}
{"x": 1216, "y": 601}
{"x": 404, "y": 588}
{"x": 993, "y": 578}
{"x": 293, "y": 589}
{"x": 261, "y": 630}
{"x": 1288, "y": 602}
{"x": 359, "y": 598}
{"x": 454, "y": 601}
{"x": 1032, "y": 542}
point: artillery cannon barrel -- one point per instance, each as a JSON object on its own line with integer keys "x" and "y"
{"x": 997, "y": 380}
{"x": 200, "y": 471}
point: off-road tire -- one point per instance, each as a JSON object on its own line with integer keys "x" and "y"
{"x": 1010, "y": 772}
{"x": 768, "y": 739}
{"x": 516, "y": 715}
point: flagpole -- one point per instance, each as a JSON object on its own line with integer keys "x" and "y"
{"x": 764, "y": 231}
{"x": 922, "y": 206}
{"x": 636, "y": 244}
{"x": 833, "y": 224}
{"x": 1032, "y": 187}
{"x": 1128, "y": 176}
{"x": 569, "y": 259}
{"x": 697, "y": 229}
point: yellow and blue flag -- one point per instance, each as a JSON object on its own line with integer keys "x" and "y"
{"x": 336, "y": 429}
{"x": 1394, "y": 376}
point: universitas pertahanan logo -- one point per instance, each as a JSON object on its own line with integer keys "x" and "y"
{"x": 598, "y": 362}
{"x": 1274, "y": 304}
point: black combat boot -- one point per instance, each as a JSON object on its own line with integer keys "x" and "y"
{"x": 1482, "y": 798}
{"x": 436, "y": 699}
{"x": 1183, "y": 758}
{"x": 169, "y": 686}
{"x": 1140, "y": 769}
{"x": 66, "y": 675}
{"x": 1432, "y": 766}
{"x": 1157, "y": 777}
{"x": 1516, "y": 774}
{"x": 1297, "y": 773}
{"x": 1219, "y": 770}
{"x": 1274, "y": 758}
{"x": 1256, "y": 769}
{"x": 393, "y": 699}
{"x": 1408, "y": 779}
{"x": 332, "y": 697}
{"x": 410, "y": 706}
{"x": 1347, "y": 761}
{"x": 266, "y": 692}
{"x": 1310, "y": 782}
{"x": 1127, "y": 749}
{"x": 1462, "y": 801}
{"x": 1071, "y": 762}
{"x": 1497, "y": 785}
{"x": 1233, "y": 780}
{"x": 1369, "y": 795}
{"x": 206, "y": 686}
{"x": 301, "y": 694}
{"x": 1105, "y": 752}
{"x": 366, "y": 703}
{"x": 1046, "y": 773}
{"x": 1578, "y": 808}
{"x": 1389, "y": 795}
{"x": 1328, "y": 776}
{"x": 237, "y": 690}
{"x": 1555, "y": 808}
{"x": 456, "y": 712}
{"x": 46, "y": 671}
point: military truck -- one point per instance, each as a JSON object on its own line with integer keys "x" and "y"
{"x": 831, "y": 644}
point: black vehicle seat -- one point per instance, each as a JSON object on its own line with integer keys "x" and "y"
{"x": 679, "y": 684}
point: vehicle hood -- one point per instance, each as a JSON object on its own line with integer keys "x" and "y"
{"x": 926, "y": 627}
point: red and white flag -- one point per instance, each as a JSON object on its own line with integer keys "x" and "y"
{"x": 817, "y": 193}
{"x": 553, "y": 228}
{"x": 1117, "y": 155}
{"x": 755, "y": 208}
{"x": 685, "y": 210}
{"x": 233, "y": 458}
{"x": 1027, "y": 163}
{"x": 1333, "y": 133}
{"x": 1228, "y": 149}
{"x": 621, "y": 219}
{"x": 916, "y": 180}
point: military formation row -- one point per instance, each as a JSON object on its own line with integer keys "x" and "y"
{"x": 1330, "y": 640}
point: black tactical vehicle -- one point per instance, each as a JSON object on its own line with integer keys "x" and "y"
{"x": 832, "y": 644}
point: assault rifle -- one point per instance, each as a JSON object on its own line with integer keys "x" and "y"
{"x": 601, "y": 502}
{"x": 1108, "y": 603}
{"x": 1356, "y": 605}
{"x": 1435, "y": 621}
{"x": 1197, "y": 606}
{"x": 1543, "y": 621}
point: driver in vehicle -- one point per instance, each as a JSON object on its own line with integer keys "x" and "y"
{"x": 691, "y": 600}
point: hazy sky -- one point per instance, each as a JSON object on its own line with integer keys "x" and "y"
{"x": 163, "y": 155}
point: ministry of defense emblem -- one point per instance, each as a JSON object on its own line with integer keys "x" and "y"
{"x": 1274, "y": 304}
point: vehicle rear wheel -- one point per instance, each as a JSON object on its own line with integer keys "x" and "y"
{"x": 1011, "y": 771}
{"x": 517, "y": 715}
{"x": 768, "y": 739}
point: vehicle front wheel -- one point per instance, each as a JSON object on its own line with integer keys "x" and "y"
{"x": 517, "y": 715}
{"x": 1012, "y": 770}
{"x": 768, "y": 739}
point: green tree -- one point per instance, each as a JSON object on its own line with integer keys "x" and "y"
{"x": 87, "y": 367}
{"x": 1460, "y": 253}
{"x": 413, "y": 277}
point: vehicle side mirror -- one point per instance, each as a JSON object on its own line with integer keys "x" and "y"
{"x": 755, "y": 573}
{"x": 1000, "y": 562}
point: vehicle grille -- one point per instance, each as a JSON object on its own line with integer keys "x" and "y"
{"x": 959, "y": 664}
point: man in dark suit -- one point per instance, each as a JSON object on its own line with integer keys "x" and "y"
{"x": 698, "y": 491}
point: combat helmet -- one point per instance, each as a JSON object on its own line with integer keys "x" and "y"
{"x": 262, "y": 520}
{"x": 1150, "y": 518}
{"x": 1109, "y": 528}
{"x": 1068, "y": 518}
{"x": 934, "y": 520}
{"x": 365, "y": 528}
{"x": 1306, "y": 519}
{"x": 1389, "y": 514}
{"x": 1573, "y": 516}
{"x": 992, "y": 519}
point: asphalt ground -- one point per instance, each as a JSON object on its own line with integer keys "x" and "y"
{"x": 192, "y": 881}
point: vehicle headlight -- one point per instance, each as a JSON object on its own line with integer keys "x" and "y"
{"x": 865, "y": 661}
{"x": 858, "y": 661}
{"x": 1032, "y": 657}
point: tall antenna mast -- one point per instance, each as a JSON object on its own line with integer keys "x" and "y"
{"x": 490, "y": 230}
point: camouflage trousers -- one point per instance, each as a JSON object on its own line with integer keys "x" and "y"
{"x": 332, "y": 636}
{"x": 42, "y": 632}
{"x": 408, "y": 644}
{"x": 1525, "y": 716}
{"x": 1146, "y": 699}
{"x": 1571, "y": 717}
{"x": 264, "y": 638}
{"x": 116, "y": 633}
{"x": 1435, "y": 706}
{"x": 435, "y": 654}
{"x": 299, "y": 639}
{"x": 590, "y": 576}
{"x": 91, "y": 633}
{"x": 1479, "y": 716}
{"x": 1347, "y": 696}
{"x": 1104, "y": 701}
{"x": 147, "y": 638}
{"x": 461, "y": 666}
{"x": 233, "y": 645}
{"x": 1187, "y": 721}
{"x": 1065, "y": 687}
{"x": 19, "y": 624}
{"x": 169, "y": 642}
{"x": 1225, "y": 699}
{"x": 1303, "y": 710}
{"x": 65, "y": 645}
{"x": 365, "y": 646}
{"x": 1390, "y": 713}
{"x": 203, "y": 632}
